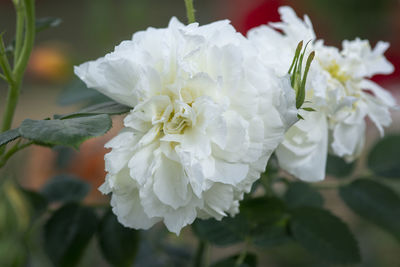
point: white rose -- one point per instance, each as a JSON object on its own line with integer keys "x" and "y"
{"x": 336, "y": 88}
{"x": 206, "y": 117}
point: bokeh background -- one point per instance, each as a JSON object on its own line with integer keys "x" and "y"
{"x": 91, "y": 28}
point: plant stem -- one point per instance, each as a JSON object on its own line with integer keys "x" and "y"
{"x": 22, "y": 61}
{"x": 12, "y": 99}
{"x": 190, "y": 11}
{"x": 243, "y": 254}
{"x": 199, "y": 257}
{"x": 25, "y": 13}
{"x": 12, "y": 151}
{"x": 4, "y": 62}
{"x": 19, "y": 9}
{"x": 241, "y": 258}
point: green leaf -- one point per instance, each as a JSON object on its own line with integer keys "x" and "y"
{"x": 249, "y": 261}
{"x": 77, "y": 92}
{"x": 338, "y": 167}
{"x": 301, "y": 194}
{"x": 375, "y": 203}
{"x": 296, "y": 56}
{"x": 65, "y": 188}
{"x": 9, "y": 136}
{"x": 110, "y": 108}
{"x": 221, "y": 233}
{"x": 301, "y": 93}
{"x": 67, "y": 233}
{"x": 118, "y": 244}
{"x": 271, "y": 234}
{"x": 324, "y": 235}
{"x": 262, "y": 219}
{"x": 37, "y": 202}
{"x": 71, "y": 132}
{"x": 308, "y": 109}
{"x": 262, "y": 210}
{"x": 267, "y": 221}
{"x": 384, "y": 158}
{"x": 47, "y": 22}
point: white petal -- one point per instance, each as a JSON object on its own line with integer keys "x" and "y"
{"x": 170, "y": 183}
{"x": 130, "y": 212}
{"x": 229, "y": 173}
{"x": 305, "y": 159}
{"x": 346, "y": 138}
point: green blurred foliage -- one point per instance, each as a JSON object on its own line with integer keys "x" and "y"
{"x": 348, "y": 19}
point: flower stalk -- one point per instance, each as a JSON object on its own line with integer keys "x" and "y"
{"x": 190, "y": 11}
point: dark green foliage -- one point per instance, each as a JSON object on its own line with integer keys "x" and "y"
{"x": 71, "y": 132}
{"x": 67, "y": 233}
{"x": 118, "y": 244}
{"x": 77, "y": 92}
{"x": 221, "y": 233}
{"x": 37, "y": 202}
{"x": 374, "y": 202}
{"x": 249, "y": 261}
{"x": 264, "y": 220}
{"x": 302, "y": 194}
{"x": 324, "y": 235}
{"x": 338, "y": 167}
{"x": 65, "y": 188}
{"x": 9, "y": 136}
{"x": 110, "y": 108}
{"x": 384, "y": 158}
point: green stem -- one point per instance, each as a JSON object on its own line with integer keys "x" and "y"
{"x": 243, "y": 254}
{"x": 19, "y": 8}
{"x": 22, "y": 61}
{"x": 12, "y": 151}
{"x": 4, "y": 62}
{"x": 11, "y": 103}
{"x": 26, "y": 10}
{"x": 190, "y": 11}
{"x": 199, "y": 257}
{"x": 241, "y": 258}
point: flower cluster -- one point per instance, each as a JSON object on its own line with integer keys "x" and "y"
{"x": 338, "y": 89}
{"x": 210, "y": 106}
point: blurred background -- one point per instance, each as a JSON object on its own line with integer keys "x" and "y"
{"x": 90, "y": 29}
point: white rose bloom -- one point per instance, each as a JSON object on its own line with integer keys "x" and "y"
{"x": 338, "y": 89}
{"x": 206, "y": 117}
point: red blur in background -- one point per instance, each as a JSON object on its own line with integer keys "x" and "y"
{"x": 249, "y": 14}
